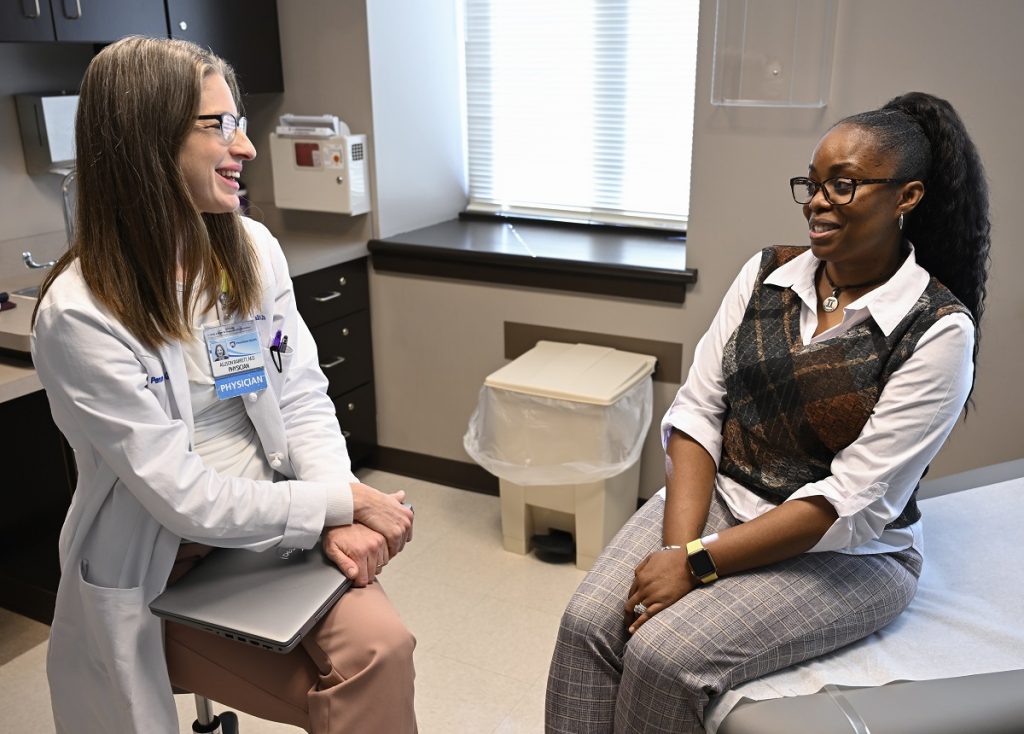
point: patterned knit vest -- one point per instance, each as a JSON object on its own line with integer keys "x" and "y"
{"x": 791, "y": 408}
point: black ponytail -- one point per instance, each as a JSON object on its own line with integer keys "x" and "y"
{"x": 950, "y": 228}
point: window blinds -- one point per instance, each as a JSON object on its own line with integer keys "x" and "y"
{"x": 581, "y": 109}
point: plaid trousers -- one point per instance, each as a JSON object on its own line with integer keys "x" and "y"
{"x": 661, "y": 678}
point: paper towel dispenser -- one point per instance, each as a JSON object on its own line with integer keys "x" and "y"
{"x": 47, "y": 123}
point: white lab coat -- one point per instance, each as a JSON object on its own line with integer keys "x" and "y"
{"x": 126, "y": 411}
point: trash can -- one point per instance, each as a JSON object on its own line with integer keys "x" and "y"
{"x": 562, "y": 427}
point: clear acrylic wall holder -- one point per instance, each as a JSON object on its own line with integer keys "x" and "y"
{"x": 773, "y": 53}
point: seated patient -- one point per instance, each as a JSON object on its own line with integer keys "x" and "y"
{"x": 162, "y": 271}
{"x": 827, "y": 382}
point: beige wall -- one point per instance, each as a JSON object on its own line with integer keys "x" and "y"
{"x": 326, "y": 68}
{"x": 436, "y": 340}
{"x": 969, "y": 53}
{"x": 417, "y": 113}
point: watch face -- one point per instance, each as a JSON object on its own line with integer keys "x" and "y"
{"x": 701, "y": 563}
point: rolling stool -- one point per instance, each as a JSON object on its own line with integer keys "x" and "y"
{"x": 208, "y": 722}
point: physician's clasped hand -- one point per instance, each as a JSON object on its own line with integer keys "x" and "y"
{"x": 384, "y": 513}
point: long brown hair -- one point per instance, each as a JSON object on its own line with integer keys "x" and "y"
{"x": 135, "y": 220}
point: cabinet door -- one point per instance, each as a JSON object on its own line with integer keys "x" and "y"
{"x": 103, "y": 21}
{"x": 245, "y": 34}
{"x": 346, "y": 352}
{"x": 25, "y": 20}
{"x": 329, "y": 294}
{"x": 38, "y": 484}
{"x": 357, "y": 414}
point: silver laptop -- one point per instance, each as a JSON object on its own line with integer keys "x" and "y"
{"x": 261, "y": 599}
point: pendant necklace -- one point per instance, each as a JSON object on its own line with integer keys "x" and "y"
{"x": 831, "y": 303}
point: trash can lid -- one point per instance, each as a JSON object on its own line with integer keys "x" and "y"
{"x": 578, "y": 372}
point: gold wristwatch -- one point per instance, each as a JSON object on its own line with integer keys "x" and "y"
{"x": 702, "y": 565}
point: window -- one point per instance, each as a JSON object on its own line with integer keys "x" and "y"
{"x": 581, "y": 109}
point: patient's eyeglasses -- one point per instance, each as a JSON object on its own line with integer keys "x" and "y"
{"x": 838, "y": 191}
{"x": 228, "y": 124}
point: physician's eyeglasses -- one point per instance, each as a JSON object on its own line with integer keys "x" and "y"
{"x": 228, "y": 125}
{"x": 838, "y": 191}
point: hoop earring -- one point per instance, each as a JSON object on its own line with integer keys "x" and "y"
{"x": 899, "y": 222}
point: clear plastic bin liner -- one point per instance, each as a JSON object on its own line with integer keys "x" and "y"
{"x": 534, "y": 440}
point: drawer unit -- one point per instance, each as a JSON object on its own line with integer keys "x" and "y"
{"x": 333, "y": 292}
{"x": 357, "y": 414}
{"x": 335, "y": 303}
{"x": 345, "y": 351}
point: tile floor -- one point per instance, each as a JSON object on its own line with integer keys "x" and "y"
{"x": 485, "y": 621}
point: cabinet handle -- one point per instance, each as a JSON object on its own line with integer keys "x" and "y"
{"x": 342, "y": 281}
{"x": 351, "y": 407}
{"x": 30, "y": 14}
{"x": 344, "y": 331}
{"x": 78, "y": 10}
{"x": 346, "y": 434}
{"x": 329, "y": 297}
{"x": 335, "y": 363}
{"x": 183, "y": 25}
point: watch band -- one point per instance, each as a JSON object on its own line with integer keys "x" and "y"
{"x": 702, "y": 565}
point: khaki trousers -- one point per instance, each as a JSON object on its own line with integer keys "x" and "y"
{"x": 353, "y": 672}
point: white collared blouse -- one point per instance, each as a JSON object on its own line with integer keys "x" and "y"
{"x": 872, "y": 478}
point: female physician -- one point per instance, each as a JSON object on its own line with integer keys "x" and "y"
{"x": 162, "y": 270}
{"x": 828, "y": 380}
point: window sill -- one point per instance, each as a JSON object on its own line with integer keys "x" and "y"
{"x": 607, "y": 260}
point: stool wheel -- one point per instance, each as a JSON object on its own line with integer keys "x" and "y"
{"x": 229, "y": 722}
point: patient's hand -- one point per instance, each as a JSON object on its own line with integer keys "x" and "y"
{"x": 357, "y": 550}
{"x": 659, "y": 581}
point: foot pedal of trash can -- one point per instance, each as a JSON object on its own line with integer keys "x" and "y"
{"x": 556, "y": 546}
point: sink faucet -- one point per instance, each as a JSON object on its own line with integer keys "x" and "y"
{"x": 67, "y": 201}
{"x": 32, "y": 264}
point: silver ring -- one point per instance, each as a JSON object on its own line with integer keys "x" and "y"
{"x": 639, "y": 609}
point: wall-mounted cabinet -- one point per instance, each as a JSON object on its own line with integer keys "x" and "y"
{"x": 248, "y": 39}
{"x": 80, "y": 21}
{"x": 26, "y": 20}
{"x": 104, "y": 21}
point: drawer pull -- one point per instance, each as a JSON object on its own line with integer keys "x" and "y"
{"x": 335, "y": 363}
{"x": 346, "y": 434}
{"x": 342, "y": 281}
{"x": 344, "y": 331}
{"x": 351, "y": 407}
{"x": 329, "y": 297}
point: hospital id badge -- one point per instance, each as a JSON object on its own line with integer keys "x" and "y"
{"x": 236, "y": 357}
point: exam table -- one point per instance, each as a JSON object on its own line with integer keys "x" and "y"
{"x": 951, "y": 663}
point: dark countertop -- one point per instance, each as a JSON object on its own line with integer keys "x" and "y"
{"x": 608, "y": 260}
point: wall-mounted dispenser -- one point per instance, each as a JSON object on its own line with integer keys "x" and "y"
{"x": 319, "y": 165}
{"x": 773, "y": 53}
{"x": 47, "y": 123}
